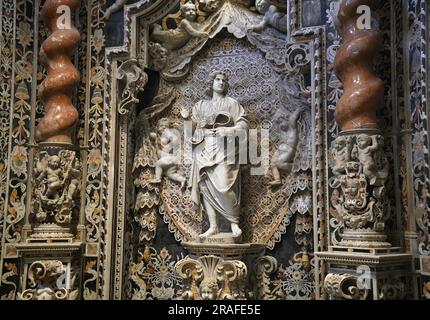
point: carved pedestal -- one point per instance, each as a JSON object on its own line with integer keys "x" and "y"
{"x": 55, "y": 277}
{"x": 224, "y": 271}
{"x": 381, "y": 274}
{"x": 363, "y": 265}
{"x": 360, "y": 170}
{"x": 51, "y": 248}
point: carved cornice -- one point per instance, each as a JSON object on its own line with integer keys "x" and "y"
{"x": 354, "y": 259}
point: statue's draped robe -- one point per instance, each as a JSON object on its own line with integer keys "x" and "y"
{"x": 213, "y": 175}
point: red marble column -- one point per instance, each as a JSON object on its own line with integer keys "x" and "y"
{"x": 57, "y": 89}
{"x": 363, "y": 90}
{"x": 57, "y": 171}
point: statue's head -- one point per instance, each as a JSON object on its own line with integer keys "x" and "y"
{"x": 262, "y": 6}
{"x": 218, "y": 82}
{"x": 189, "y": 10}
{"x": 209, "y": 289}
{"x": 54, "y": 162}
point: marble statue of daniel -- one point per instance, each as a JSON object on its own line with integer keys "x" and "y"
{"x": 215, "y": 174}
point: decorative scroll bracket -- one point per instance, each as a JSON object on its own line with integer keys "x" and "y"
{"x": 132, "y": 80}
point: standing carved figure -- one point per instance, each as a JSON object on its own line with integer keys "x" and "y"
{"x": 272, "y": 17}
{"x": 187, "y": 29}
{"x": 213, "y": 177}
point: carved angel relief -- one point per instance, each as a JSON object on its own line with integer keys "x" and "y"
{"x": 360, "y": 170}
{"x": 173, "y": 39}
{"x": 56, "y": 187}
{"x": 273, "y": 16}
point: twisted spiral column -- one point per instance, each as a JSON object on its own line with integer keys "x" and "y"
{"x": 363, "y": 90}
{"x": 360, "y": 168}
{"x": 57, "y": 172}
{"x": 57, "y": 89}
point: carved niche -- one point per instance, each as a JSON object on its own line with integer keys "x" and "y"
{"x": 266, "y": 68}
{"x": 274, "y": 95}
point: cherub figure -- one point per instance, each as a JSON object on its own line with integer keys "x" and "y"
{"x": 340, "y": 154}
{"x": 167, "y": 143}
{"x": 53, "y": 173}
{"x": 284, "y": 157}
{"x": 209, "y": 289}
{"x": 272, "y": 17}
{"x": 364, "y": 151}
{"x": 187, "y": 29}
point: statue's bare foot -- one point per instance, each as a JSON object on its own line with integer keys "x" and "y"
{"x": 275, "y": 183}
{"x": 155, "y": 181}
{"x": 236, "y": 231}
{"x": 210, "y": 232}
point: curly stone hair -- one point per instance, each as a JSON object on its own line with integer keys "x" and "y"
{"x": 211, "y": 79}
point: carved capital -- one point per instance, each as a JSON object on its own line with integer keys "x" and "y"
{"x": 132, "y": 80}
{"x": 344, "y": 287}
{"x": 212, "y": 278}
